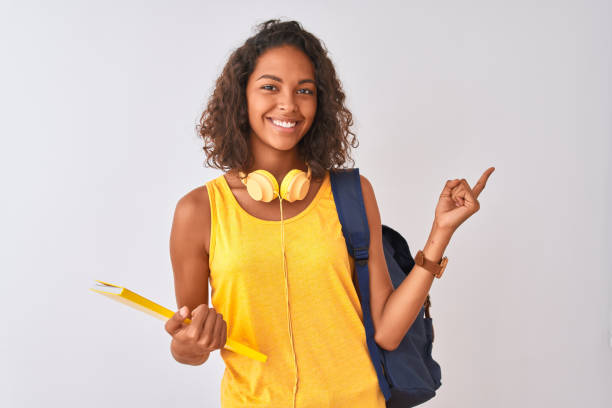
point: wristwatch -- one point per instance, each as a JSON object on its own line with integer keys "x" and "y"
{"x": 434, "y": 268}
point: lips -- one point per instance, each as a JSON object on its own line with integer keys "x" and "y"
{"x": 283, "y": 119}
{"x": 287, "y": 129}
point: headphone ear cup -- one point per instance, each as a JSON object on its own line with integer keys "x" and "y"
{"x": 295, "y": 186}
{"x": 262, "y": 186}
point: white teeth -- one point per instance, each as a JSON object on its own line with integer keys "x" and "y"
{"x": 284, "y": 124}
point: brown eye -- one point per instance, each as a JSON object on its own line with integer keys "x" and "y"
{"x": 308, "y": 91}
{"x": 267, "y": 89}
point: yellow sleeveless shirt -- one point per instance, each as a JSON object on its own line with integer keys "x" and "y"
{"x": 325, "y": 362}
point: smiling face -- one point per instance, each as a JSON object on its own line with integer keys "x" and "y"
{"x": 281, "y": 98}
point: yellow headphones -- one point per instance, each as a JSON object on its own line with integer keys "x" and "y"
{"x": 262, "y": 185}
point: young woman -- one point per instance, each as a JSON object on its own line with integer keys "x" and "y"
{"x": 281, "y": 279}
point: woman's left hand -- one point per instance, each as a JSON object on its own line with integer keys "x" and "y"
{"x": 458, "y": 202}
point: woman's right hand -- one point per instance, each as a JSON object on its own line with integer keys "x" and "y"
{"x": 193, "y": 342}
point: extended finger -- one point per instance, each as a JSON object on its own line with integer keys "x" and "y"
{"x": 482, "y": 182}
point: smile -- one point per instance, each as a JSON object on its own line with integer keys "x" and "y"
{"x": 283, "y": 125}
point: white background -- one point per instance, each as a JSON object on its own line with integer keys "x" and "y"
{"x": 99, "y": 102}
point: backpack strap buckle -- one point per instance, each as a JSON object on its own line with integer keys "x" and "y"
{"x": 361, "y": 255}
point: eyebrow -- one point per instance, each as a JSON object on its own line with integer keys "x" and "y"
{"x": 275, "y": 78}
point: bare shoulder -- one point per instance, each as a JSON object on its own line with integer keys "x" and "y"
{"x": 192, "y": 217}
{"x": 189, "y": 248}
{"x": 371, "y": 206}
{"x": 194, "y": 200}
{"x": 367, "y": 190}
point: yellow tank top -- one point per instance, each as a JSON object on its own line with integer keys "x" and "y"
{"x": 325, "y": 362}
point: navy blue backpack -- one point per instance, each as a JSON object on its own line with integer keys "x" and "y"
{"x": 408, "y": 375}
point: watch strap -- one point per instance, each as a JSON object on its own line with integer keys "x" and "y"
{"x": 437, "y": 269}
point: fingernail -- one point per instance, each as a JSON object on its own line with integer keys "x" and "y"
{"x": 183, "y": 311}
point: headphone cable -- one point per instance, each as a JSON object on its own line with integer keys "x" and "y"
{"x": 280, "y": 201}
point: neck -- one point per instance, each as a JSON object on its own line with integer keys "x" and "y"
{"x": 277, "y": 162}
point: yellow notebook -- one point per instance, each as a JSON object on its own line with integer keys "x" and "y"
{"x": 143, "y": 304}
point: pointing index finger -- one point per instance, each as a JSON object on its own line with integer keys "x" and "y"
{"x": 482, "y": 182}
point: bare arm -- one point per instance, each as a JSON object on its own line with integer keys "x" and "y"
{"x": 404, "y": 304}
{"x": 381, "y": 286}
{"x": 394, "y": 310}
{"x": 188, "y": 253}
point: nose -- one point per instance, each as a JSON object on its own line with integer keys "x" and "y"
{"x": 286, "y": 102}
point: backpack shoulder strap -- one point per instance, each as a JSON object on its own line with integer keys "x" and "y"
{"x": 348, "y": 197}
{"x": 346, "y": 189}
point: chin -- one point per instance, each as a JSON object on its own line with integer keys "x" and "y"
{"x": 283, "y": 143}
{"x": 283, "y": 146}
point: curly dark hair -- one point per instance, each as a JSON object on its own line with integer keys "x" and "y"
{"x": 224, "y": 125}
